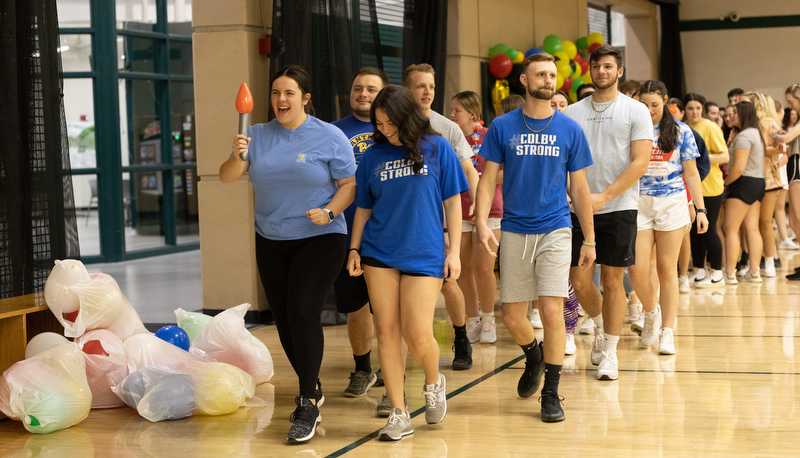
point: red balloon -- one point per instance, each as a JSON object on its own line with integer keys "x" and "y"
{"x": 567, "y": 84}
{"x": 593, "y": 47}
{"x": 500, "y": 65}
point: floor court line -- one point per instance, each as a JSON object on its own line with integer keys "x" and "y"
{"x": 352, "y": 446}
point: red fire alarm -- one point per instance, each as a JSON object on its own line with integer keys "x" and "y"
{"x": 264, "y": 45}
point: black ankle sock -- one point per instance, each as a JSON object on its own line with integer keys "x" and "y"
{"x": 552, "y": 374}
{"x": 362, "y": 362}
{"x": 461, "y": 332}
{"x": 533, "y": 352}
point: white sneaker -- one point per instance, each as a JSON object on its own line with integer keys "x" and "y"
{"x": 769, "y": 268}
{"x": 474, "y": 329}
{"x": 752, "y": 278}
{"x": 536, "y": 320}
{"x": 587, "y": 327}
{"x": 730, "y": 278}
{"x": 488, "y": 330}
{"x": 683, "y": 285}
{"x": 744, "y": 270}
{"x": 652, "y": 321}
{"x": 634, "y": 310}
{"x": 570, "y": 348}
{"x": 597, "y": 347}
{"x": 713, "y": 278}
{"x": 699, "y": 275}
{"x": 636, "y": 326}
{"x": 666, "y": 343}
{"x": 581, "y": 311}
{"x": 607, "y": 370}
{"x": 788, "y": 244}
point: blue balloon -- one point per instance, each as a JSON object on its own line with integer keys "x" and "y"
{"x": 174, "y": 335}
{"x": 533, "y": 51}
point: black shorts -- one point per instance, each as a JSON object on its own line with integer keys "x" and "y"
{"x": 747, "y": 189}
{"x": 793, "y": 168}
{"x": 351, "y": 292}
{"x": 372, "y": 262}
{"x": 615, "y": 234}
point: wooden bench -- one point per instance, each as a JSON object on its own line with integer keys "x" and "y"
{"x": 21, "y": 318}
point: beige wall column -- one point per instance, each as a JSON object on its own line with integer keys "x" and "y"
{"x": 226, "y": 54}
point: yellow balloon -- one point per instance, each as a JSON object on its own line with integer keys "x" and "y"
{"x": 499, "y": 92}
{"x": 563, "y": 68}
{"x": 519, "y": 59}
{"x": 559, "y": 81}
{"x": 578, "y": 69}
{"x": 587, "y": 78}
{"x": 573, "y": 96}
{"x": 595, "y": 37}
{"x": 562, "y": 56}
{"x": 569, "y": 48}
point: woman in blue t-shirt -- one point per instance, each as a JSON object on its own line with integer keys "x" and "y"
{"x": 663, "y": 217}
{"x": 403, "y": 182}
{"x": 302, "y": 172}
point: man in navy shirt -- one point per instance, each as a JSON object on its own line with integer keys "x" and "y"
{"x": 351, "y": 292}
{"x": 541, "y": 148}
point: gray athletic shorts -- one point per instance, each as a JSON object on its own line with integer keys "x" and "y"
{"x": 534, "y": 265}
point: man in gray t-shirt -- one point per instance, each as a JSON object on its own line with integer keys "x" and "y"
{"x": 620, "y": 134}
{"x": 419, "y": 79}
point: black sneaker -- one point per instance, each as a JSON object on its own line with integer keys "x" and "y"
{"x": 743, "y": 261}
{"x": 463, "y": 358}
{"x": 551, "y": 407}
{"x": 794, "y": 276}
{"x": 306, "y": 419}
{"x": 778, "y": 262}
{"x": 531, "y": 378}
{"x": 318, "y": 395}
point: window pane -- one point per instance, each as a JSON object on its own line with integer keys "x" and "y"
{"x": 139, "y": 54}
{"x": 181, "y": 97}
{"x": 73, "y": 13}
{"x": 186, "y": 210}
{"x": 179, "y": 11}
{"x": 136, "y": 14}
{"x": 76, "y": 53}
{"x": 180, "y": 58}
{"x": 144, "y": 229}
{"x": 140, "y": 128}
{"x": 85, "y": 190}
{"x": 79, "y": 111}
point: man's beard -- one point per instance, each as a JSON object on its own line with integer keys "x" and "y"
{"x": 542, "y": 93}
{"x": 611, "y": 83}
{"x": 363, "y": 114}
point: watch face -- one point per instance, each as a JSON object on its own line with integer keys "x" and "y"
{"x": 330, "y": 215}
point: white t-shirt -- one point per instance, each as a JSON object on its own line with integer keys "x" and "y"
{"x": 452, "y": 133}
{"x": 610, "y": 128}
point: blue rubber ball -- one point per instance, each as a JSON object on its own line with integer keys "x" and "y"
{"x": 533, "y": 51}
{"x": 174, "y": 335}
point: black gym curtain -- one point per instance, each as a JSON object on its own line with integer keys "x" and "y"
{"x": 37, "y": 214}
{"x": 318, "y": 35}
{"x": 670, "y": 62}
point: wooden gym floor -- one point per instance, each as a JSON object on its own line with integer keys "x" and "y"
{"x": 731, "y": 390}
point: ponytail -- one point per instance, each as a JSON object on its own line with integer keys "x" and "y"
{"x": 668, "y": 127}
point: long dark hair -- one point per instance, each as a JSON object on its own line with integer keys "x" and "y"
{"x": 412, "y": 125}
{"x": 668, "y": 128}
{"x": 748, "y": 117}
{"x": 303, "y": 80}
{"x": 695, "y": 97}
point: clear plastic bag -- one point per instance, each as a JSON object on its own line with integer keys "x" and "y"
{"x": 48, "y": 391}
{"x": 105, "y": 366}
{"x": 225, "y": 339}
{"x": 82, "y": 301}
{"x": 191, "y": 322}
{"x": 219, "y": 388}
{"x": 159, "y": 393}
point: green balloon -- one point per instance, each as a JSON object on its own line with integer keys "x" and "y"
{"x": 511, "y": 53}
{"x": 552, "y": 44}
{"x": 194, "y": 323}
{"x": 583, "y": 43}
{"x": 576, "y": 83}
{"x": 499, "y": 48}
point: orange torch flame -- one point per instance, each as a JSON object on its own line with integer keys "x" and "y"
{"x": 244, "y": 100}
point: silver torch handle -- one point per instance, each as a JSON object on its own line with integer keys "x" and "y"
{"x": 244, "y": 124}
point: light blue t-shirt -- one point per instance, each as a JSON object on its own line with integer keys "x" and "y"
{"x": 405, "y": 229}
{"x": 536, "y": 168}
{"x": 663, "y": 176}
{"x": 293, "y": 171}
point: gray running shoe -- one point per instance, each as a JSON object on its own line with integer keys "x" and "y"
{"x": 398, "y": 425}
{"x": 384, "y": 408}
{"x": 435, "y": 401}
{"x": 360, "y": 382}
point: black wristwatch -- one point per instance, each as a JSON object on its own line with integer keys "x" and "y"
{"x": 702, "y": 210}
{"x": 330, "y": 215}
